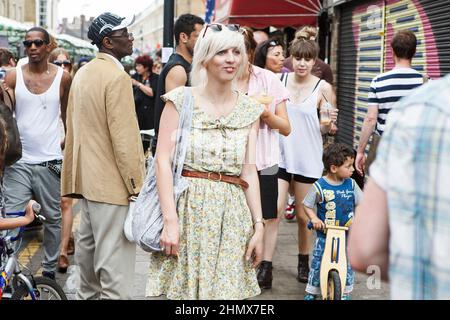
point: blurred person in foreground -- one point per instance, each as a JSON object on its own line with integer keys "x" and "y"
{"x": 402, "y": 226}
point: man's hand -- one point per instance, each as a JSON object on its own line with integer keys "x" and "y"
{"x": 360, "y": 163}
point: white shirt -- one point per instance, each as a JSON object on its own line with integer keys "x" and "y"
{"x": 37, "y": 117}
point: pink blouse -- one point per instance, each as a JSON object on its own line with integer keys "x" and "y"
{"x": 267, "y": 145}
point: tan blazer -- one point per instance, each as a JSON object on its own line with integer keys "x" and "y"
{"x": 103, "y": 156}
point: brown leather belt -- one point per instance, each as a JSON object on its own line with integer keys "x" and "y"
{"x": 213, "y": 176}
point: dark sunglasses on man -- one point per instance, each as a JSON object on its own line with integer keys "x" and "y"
{"x": 37, "y": 43}
{"x": 66, "y": 63}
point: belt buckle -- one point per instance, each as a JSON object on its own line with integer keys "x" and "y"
{"x": 216, "y": 180}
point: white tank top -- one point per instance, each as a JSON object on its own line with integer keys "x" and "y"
{"x": 37, "y": 117}
{"x": 301, "y": 151}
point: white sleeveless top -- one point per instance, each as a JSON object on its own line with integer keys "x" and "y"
{"x": 37, "y": 117}
{"x": 301, "y": 151}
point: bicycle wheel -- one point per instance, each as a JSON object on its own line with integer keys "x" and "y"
{"x": 334, "y": 286}
{"x": 46, "y": 289}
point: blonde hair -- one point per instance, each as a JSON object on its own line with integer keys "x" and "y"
{"x": 208, "y": 46}
{"x": 306, "y": 33}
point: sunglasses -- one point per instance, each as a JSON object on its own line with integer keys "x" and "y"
{"x": 274, "y": 43}
{"x": 219, "y": 27}
{"x": 127, "y": 35}
{"x": 60, "y": 63}
{"x": 37, "y": 42}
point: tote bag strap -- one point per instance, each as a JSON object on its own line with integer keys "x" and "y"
{"x": 184, "y": 126}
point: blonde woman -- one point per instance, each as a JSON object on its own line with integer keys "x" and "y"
{"x": 212, "y": 238}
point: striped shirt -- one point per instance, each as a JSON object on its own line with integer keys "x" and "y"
{"x": 413, "y": 168}
{"x": 388, "y": 88}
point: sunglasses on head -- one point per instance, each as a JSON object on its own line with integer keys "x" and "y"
{"x": 274, "y": 43}
{"x": 37, "y": 43}
{"x": 60, "y": 63}
{"x": 219, "y": 27}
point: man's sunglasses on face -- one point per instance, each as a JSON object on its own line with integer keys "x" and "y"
{"x": 126, "y": 35}
{"x": 37, "y": 43}
{"x": 60, "y": 63}
{"x": 219, "y": 27}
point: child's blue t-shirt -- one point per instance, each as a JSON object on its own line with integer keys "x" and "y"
{"x": 335, "y": 203}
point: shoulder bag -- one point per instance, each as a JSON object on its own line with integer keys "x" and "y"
{"x": 146, "y": 218}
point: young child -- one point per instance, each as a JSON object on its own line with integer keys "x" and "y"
{"x": 10, "y": 223}
{"x": 335, "y": 196}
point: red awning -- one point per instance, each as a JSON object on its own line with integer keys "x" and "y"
{"x": 264, "y": 13}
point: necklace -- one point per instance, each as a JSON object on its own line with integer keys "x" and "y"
{"x": 43, "y": 101}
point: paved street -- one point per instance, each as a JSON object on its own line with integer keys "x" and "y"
{"x": 285, "y": 285}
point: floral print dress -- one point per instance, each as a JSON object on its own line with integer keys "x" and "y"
{"x": 215, "y": 221}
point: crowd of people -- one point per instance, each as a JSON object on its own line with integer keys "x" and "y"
{"x": 255, "y": 138}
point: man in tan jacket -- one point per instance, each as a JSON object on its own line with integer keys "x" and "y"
{"x": 104, "y": 162}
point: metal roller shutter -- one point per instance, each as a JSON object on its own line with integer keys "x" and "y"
{"x": 429, "y": 21}
{"x": 437, "y": 24}
{"x": 364, "y": 50}
{"x": 360, "y": 60}
{"x": 346, "y": 79}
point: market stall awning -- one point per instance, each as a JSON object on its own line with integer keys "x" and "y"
{"x": 12, "y": 25}
{"x": 264, "y": 13}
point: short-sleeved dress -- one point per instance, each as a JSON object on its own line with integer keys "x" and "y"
{"x": 215, "y": 221}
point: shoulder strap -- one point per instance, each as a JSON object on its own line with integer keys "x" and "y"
{"x": 283, "y": 78}
{"x": 317, "y": 84}
{"x": 184, "y": 125}
{"x": 319, "y": 190}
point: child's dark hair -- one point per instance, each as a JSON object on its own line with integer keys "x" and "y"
{"x": 336, "y": 154}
